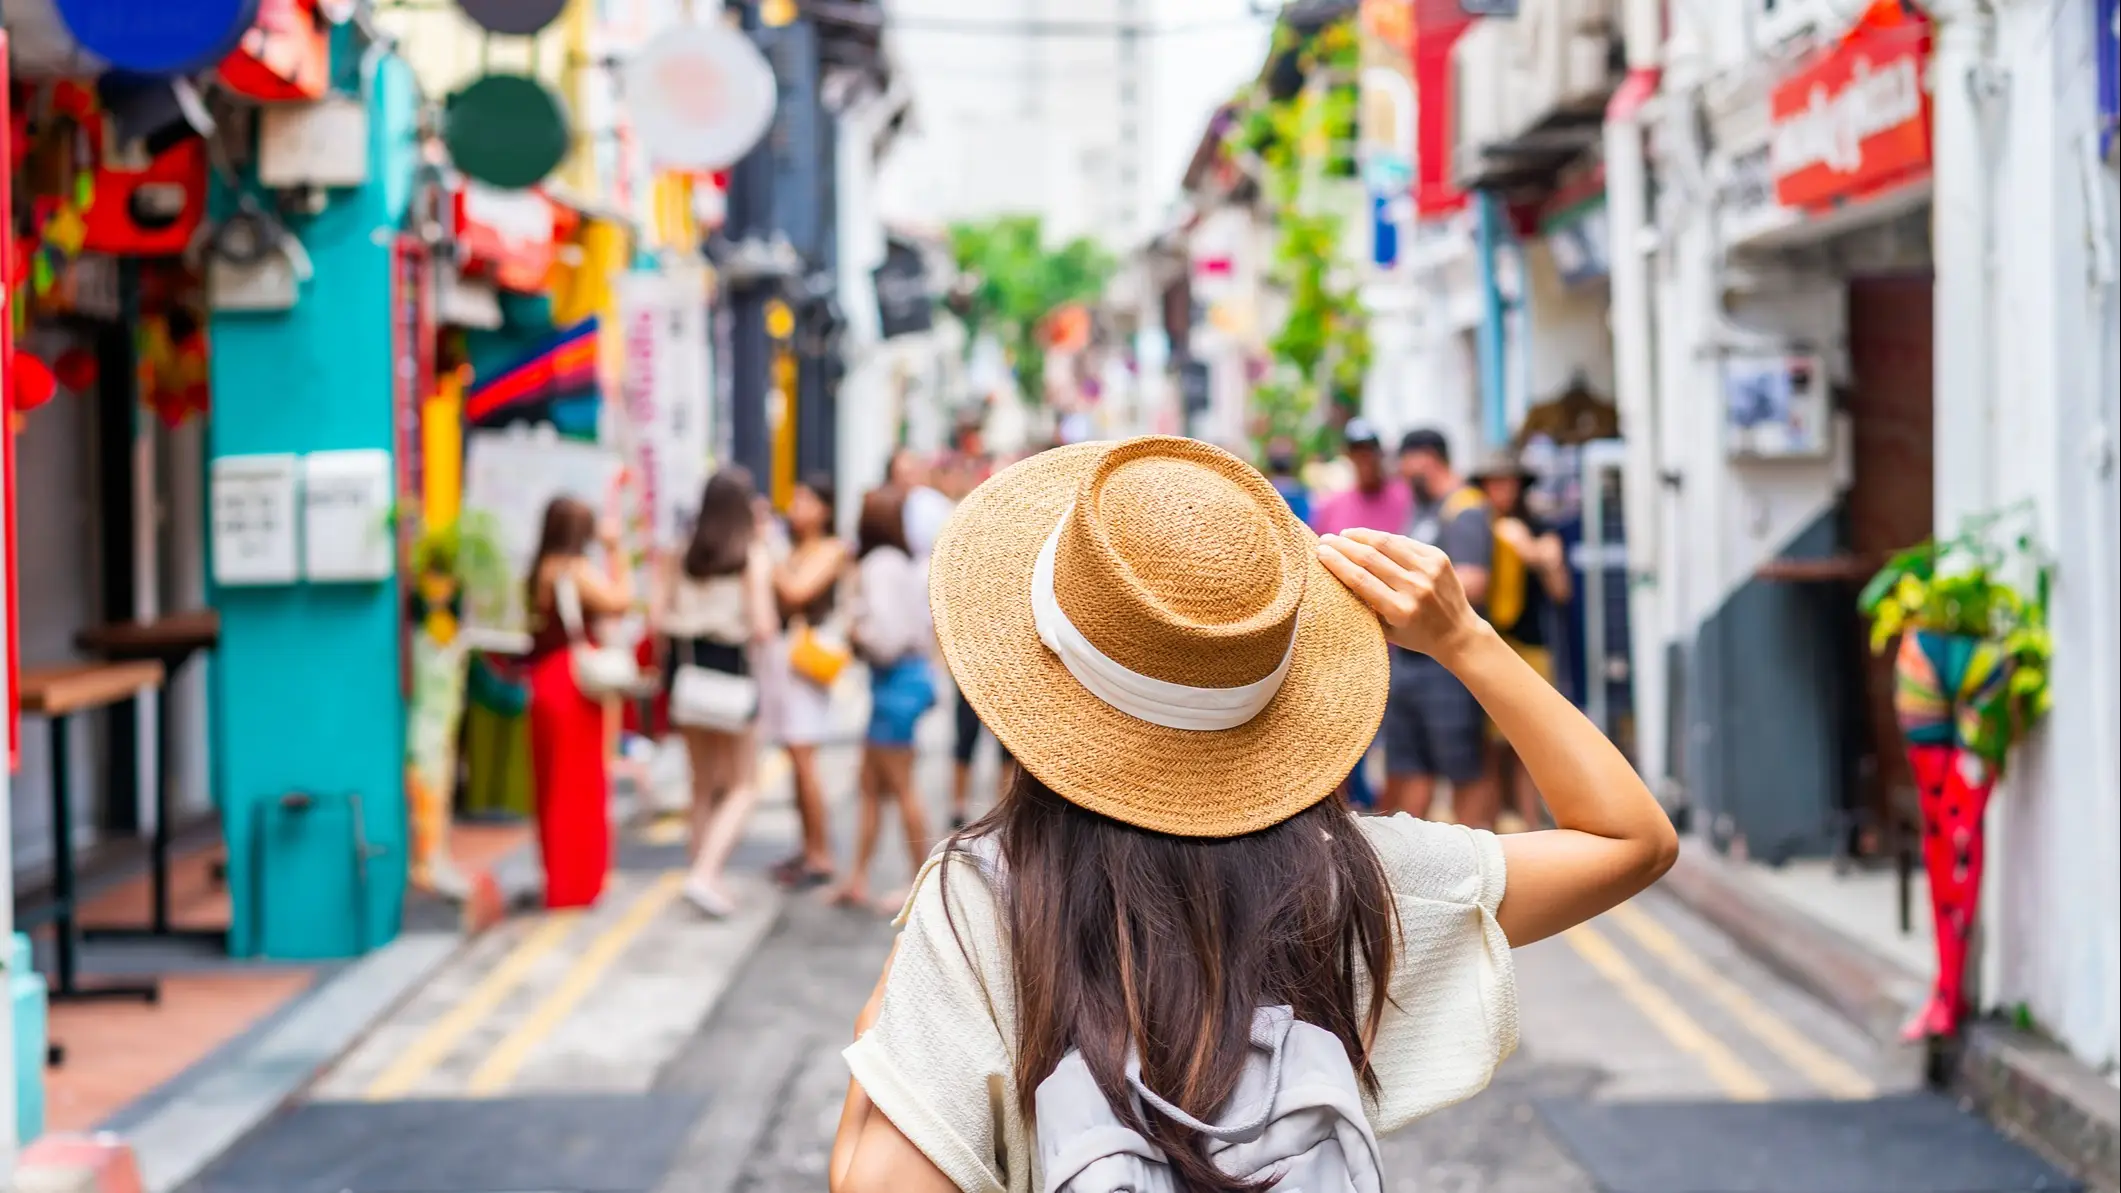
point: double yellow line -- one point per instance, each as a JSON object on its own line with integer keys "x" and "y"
{"x": 494, "y": 1074}
{"x": 1833, "y": 1076}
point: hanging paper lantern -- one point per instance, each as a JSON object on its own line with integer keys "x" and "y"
{"x": 32, "y": 381}
{"x": 76, "y": 369}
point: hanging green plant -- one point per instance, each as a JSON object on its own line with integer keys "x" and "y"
{"x": 1958, "y": 587}
{"x": 1293, "y": 128}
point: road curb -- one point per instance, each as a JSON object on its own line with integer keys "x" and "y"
{"x": 2031, "y": 1089}
{"x": 1868, "y": 990}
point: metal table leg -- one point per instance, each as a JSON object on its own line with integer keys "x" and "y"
{"x": 66, "y": 941}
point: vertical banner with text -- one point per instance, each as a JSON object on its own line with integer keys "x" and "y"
{"x": 666, "y": 395}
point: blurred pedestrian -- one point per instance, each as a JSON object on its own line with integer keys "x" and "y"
{"x": 1282, "y": 463}
{"x": 1434, "y": 728}
{"x": 891, "y": 634}
{"x": 1528, "y": 585}
{"x": 565, "y": 595}
{"x": 1378, "y": 502}
{"x": 716, "y": 613}
{"x": 801, "y": 666}
{"x": 1169, "y": 903}
{"x": 965, "y": 469}
{"x": 927, "y": 507}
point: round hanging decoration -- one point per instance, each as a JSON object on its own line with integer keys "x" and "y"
{"x": 701, "y": 96}
{"x": 77, "y": 370}
{"x": 515, "y": 18}
{"x": 506, "y": 130}
{"x": 159, "y": 37}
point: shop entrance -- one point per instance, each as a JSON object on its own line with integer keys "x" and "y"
{"x": 1889, "y": 506}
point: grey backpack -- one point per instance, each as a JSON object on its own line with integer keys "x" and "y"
{"x": 1295, "y": 1121}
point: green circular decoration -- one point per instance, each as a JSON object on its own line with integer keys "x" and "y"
{"x": 506, "y": 130}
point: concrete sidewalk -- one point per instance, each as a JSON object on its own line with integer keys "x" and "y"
{"x": 2030, "y": 1088}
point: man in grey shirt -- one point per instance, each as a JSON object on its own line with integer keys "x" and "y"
{"x": 1433, "y": 726}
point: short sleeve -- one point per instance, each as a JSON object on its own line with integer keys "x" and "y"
{"x": 1469, "y": 538}
{"x": 1452, "y": 1017}
{"x": 935, "y": 1062}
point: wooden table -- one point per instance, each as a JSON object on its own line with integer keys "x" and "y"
{"x": 58, "y": 694}
{"x": 171, "y": 642}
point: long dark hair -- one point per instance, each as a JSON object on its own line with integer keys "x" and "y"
{"x": 569, "y": 526}
{"x": 727, "y": 523}
{"x": 821, "y": 486}
{"x": 882, "y": 522}
{"x": 1121, "y": 939}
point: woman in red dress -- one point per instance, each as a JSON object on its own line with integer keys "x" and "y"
{"x": 568, "y": 744}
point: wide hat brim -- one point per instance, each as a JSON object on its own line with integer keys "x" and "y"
{"x": 1191, "y": 783}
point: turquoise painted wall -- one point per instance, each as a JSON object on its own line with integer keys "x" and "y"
{"x": 306, "y": 695}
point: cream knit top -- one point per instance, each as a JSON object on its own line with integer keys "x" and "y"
{"x": 939, "y": 1063}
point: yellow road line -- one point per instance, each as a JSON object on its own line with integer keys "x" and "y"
{"x": 1734, "y": 1075}
{"x": 1830, "y": 1073}
{"x": 425, "y": 1052}
{"x": 501, "y": 1065}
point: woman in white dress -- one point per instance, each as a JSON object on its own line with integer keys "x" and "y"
{"x": 805, "y": 584}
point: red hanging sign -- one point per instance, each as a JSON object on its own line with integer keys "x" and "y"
{"x": 1855, "y": 121}
{"x": 1437, "y": 26}
{"x": 511, "y": 236}
{"x": 285, "y": 56}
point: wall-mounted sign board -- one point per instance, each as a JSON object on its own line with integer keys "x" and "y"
{"x": 253, "y": 511}
{"x": 347, "y": 536}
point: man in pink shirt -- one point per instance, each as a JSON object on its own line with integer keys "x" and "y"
{"x": 1379, "y": 500}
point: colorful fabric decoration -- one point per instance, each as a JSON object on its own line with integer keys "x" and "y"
{"x": 1951, "y": 696}
{"x": 558, "y": 370}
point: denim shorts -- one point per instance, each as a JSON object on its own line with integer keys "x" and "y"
{"x": 899, "y": 693}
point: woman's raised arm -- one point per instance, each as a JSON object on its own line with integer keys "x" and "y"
{"x": 1613, "y": 839}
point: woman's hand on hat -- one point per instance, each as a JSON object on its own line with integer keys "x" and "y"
{"x": 1410, "y": 585}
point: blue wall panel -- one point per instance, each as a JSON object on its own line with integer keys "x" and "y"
{"x": 307, "y": 695}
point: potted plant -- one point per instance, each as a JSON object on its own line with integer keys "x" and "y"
{"x": 1970, "y": 678}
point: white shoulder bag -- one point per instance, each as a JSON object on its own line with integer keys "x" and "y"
{"x": 601, "y": 672}
{"x": 703, "y": 698}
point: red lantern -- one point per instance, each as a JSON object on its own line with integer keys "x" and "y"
{"x": 77, "y": 370}
{"x": 33, "y": 382}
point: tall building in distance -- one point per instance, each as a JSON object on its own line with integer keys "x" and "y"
{"x": 1077, "y": 111}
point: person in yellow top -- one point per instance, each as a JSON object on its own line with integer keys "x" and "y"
{"x": 1528, "y": 584}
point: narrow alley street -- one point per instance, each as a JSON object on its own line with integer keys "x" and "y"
{"x": 640, "y": 1048}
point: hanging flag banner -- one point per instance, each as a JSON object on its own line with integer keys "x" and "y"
{"x": 666, "y": 396}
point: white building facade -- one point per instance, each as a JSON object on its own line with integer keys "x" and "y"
{"x": 1864, "y": 288}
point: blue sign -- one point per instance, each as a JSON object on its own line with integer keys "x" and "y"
{"x": 2106, "y": 36}
{"x": 159, "y": 37}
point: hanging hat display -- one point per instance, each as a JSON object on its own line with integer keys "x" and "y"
{"x": 159, "y": 37}
{"x": 513, "y": 18}
{"x": 701, "y": 96}
{"x": 506, "y": 130}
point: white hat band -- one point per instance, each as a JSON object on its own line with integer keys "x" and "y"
{"x": 1159, "y": 702}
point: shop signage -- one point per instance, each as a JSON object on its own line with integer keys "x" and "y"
{"x": 285, "y": 57}
{"x": 1854, "y": 122}
{"x": 2106, "y": 36}
{"x": 159, "y": 37}
{"x": 666, "y": 396}
{"x": 904, "y": 304}
{"x": 1776, "y": 406}
{"x": 506, "y": 234}
{"x": 700, "y": 96}
{"x": 1578, "y": 241}
{"x": 506, "y": 130}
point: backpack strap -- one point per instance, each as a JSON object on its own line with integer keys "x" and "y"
{"x": 1270, "y": 1034}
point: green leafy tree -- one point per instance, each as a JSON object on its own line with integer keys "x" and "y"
{"x": 1293, "y": 135}
{"x": 1014, "y": 282}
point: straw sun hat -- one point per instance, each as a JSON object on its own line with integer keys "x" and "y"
{"x": 1147, "y": 628}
